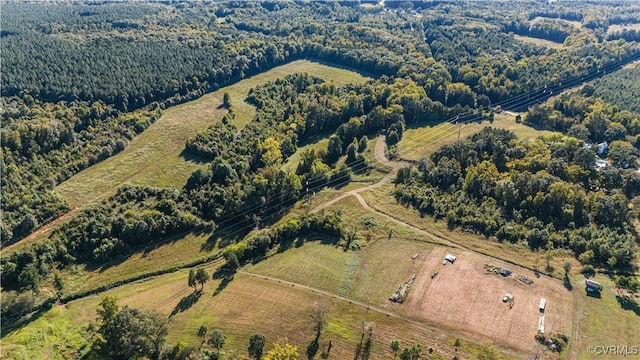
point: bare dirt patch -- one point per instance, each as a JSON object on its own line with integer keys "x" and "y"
{"x": 465, "y": 297}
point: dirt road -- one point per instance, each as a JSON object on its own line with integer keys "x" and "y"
{"x": 382, "y": 159}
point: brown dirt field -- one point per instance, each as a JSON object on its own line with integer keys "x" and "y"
{"x": 466, "y": 298}
{"x": 279, "y": 309}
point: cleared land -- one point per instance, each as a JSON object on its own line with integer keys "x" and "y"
{"x": 621, "y": 27}
{"x": 575, "y": 24}
{"x": 537, "y": 41}
{"x": 467, "y": 298}
{"x": 382, "y": 200}
{"x": 246, "y": 306}
{"x": 421, "y": 142}
{"x": 155, "y": 157}
{"x": 602, "y": 321}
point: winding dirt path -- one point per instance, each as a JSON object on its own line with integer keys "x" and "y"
{"x": 378, "y": 153}
{"x": 395, "y": 166}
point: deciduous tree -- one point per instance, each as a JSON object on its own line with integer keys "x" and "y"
{"x": 256, "y": 346}
{"x": 217, "y": 339}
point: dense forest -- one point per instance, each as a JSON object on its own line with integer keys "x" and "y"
{"x": 153, "y": 55}
{"x": 620, "y": 88}
{"x": 80, "y": 81}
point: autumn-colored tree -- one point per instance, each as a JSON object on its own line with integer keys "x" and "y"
{"x": 282, "y": 350}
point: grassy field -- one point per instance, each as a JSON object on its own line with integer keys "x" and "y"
{"x": 184, "y": 250}
{"x": 155, "y": 157}
{"x": 602, "y": 320}
{"x": 381, "y": 199}
{"x": 315, "y": 264}
{"x": 388, "y": 260}
{"x": 419, "y": 142}
{"x": 542, "y": 42}
{"x": 575, "y": 24}
{"x": 621, "y": 27}
{"x": 246, "y": 306}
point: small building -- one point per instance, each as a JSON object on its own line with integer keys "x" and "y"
{"x": 603, "y": 147}
{"x": 505, "y": 272}
{"x": 541, "y": 325}
{"x": 450, "y": 258}
{"x": 592, "y": 285}
{"x": 543, "y": 304}
{"x": 507, "y": 297}
{"x": 601, "y": 164}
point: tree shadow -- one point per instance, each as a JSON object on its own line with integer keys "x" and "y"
{"x": 301, "y": 240}
{"x": 567, "y": 284}
{"x": 226, "y": 274}
{"x": 312, "y": 348}
{"x": 9, "y": 327}
{"x": 628, "y": 303}
{"x": 193, "y": 158}
{"x": 230, "y": 235}
{"x": 143, "y": 249}
{"x": 173, "y": 239}
{"x": 187, "y": 302}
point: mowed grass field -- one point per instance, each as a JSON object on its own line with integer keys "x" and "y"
{"x": 421, "y": 142}
{"x": 602, "y": 321}
{"x": 185, "y": 250}
{"x": 247, "y": 305}
{"x": 155, "y": 157}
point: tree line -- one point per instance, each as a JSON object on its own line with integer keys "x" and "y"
{"x": 44, "y": 144}
{"x": 439, "y": 53}
{"x": 546, "y": 194}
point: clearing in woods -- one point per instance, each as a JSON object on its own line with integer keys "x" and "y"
{"x": 575, "y": 24}
{"x": 622, "y": 27}
{"x": 156, "y": 157}
{"x": 464, "y": 297}
{"x": 421, "y": 142}
{"x": 537, "y": 41}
